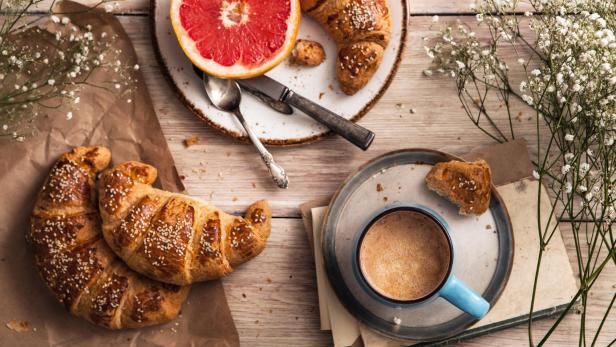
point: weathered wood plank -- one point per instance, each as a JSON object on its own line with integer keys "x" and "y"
{"x": 231, "y": 175}
{"x": 274, "y": 303}
{"x": 416, "y": 7}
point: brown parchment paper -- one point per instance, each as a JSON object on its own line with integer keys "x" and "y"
{"x": 132, "y": 131}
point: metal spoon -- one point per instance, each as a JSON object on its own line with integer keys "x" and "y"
{"x": 226, "y": 95}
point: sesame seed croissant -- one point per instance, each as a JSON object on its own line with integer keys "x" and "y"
{"x": 76, "y": 263}
{"x": 361, "y": 29}
{"x": 172, "y": 237}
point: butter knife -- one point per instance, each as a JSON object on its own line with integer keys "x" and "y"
{"x": 276, "y": 105}
{"x": 356, "y": 134}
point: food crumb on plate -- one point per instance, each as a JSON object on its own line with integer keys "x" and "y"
{"x": 379, "y": 187}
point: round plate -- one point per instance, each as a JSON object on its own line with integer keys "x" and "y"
{"x": 318, "y": 84}
{"x": 483, "y": 244}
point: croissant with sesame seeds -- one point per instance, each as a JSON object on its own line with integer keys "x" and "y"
{"x": 173, "y": 237}
{"x": 76, "y": 263}
{"x": 361, "y": 29}
{"x": 468, "y": 185}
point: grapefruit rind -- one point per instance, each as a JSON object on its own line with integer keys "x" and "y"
{"x": 236, "y": 71}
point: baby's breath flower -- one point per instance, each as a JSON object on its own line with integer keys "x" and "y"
{"x": 69, "y": 115}
{"x": 536, "y": 174}
{"x": 569, "y": 137}
{"x": 565, "y": 169}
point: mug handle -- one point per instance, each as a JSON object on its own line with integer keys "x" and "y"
{"x": 464, "y": 298}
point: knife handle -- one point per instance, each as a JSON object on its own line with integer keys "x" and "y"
{"x": 356, "y": 134}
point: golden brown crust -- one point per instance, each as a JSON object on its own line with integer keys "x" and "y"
{"x": 357, "y": 62}
{"x": 358, "y": 27}
{"x": 468, "y": 185}
{"x": 186, "y": 240}
{"x": 74, "y": 260}
{"x": 308, "y": 53}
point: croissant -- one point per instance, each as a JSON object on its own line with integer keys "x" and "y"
{"x": 468, "y": 185}
{"x": 361, "y": 29}
{"x": 76, "y": 263}
{"x": 172, "y": 237}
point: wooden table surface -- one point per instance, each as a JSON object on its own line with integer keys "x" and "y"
{"x": 273, "y": 298}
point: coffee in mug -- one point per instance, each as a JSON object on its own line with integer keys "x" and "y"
{"x": 404, "y": 255}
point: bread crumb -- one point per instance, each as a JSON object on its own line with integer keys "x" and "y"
{"x": 189, "y": 141}
{"x": 488, "y": 227}
{"x": 268, "y": 280}
{"x": 20, "y": 326}
{"x": 397, "y": 320}
{"x": 234, "y": 198}
{"x": 412, "y": 111}
{"x": 321, "y": 95}
{"x": 379, "y": 187}
{"x": 308, "y": 53}
{"x": 254, "y": 185}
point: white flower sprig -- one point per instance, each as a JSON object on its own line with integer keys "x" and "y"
{"x": 42, "y": 67}
{"x": 569, "y": 65}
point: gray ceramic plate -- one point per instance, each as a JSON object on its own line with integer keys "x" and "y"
{"x": 483, "y": 245}
{"x": 318, "y": 84}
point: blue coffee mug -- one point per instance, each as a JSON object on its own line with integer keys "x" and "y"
{"x": 451, "y": 288}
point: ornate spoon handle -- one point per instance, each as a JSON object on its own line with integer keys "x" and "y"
{"x": 277, "y": 172}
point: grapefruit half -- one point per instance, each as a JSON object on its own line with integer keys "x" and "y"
{"x": 236, "y": 38}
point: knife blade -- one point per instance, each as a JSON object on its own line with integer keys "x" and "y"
{"x": 356, "y": 134}
{"x": 275, "y": 104}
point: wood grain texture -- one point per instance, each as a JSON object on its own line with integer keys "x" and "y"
{"x": 282, "y": 278}
{"x": 273, "y": 298}
{"x": 231, "y": 175}
{"x": 419, "y": 7}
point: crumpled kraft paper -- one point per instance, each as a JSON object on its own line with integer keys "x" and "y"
{"x": 132, "y": 132}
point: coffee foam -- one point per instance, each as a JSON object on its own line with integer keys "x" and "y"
{"x": 404, "y": 255}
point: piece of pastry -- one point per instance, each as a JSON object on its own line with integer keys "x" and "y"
{"x": 361, "y": 29}
{"x": 308, "y": 53}
{"x": 76, "y": 263}
{"x": 172, "y": 237}
{"x": 468, "y": 185}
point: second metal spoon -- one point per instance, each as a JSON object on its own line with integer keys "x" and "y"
{"x": 226, "y": 95}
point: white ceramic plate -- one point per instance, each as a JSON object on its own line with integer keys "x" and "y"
{"x": 318, "y": 84}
